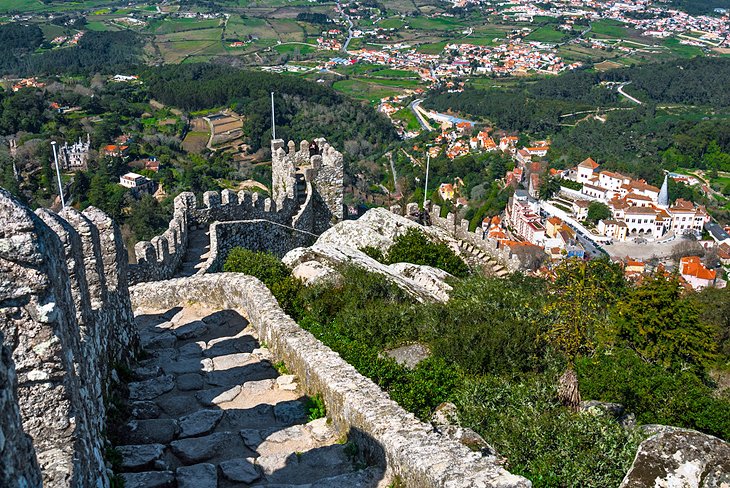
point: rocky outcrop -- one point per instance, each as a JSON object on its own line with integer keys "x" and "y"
{"x": 341, "y": 244}
{"x": 679, "y": 458}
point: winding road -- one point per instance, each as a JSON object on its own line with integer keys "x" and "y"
{"x": 350, "y": 26}
{"x": 622, "y": 92}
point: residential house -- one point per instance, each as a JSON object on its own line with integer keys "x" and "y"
{"x": 695, "y": 273}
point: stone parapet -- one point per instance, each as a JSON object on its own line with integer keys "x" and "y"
{"x": 66, "y": 319}
{"x": 256, "y": 235}
{"x": 459, "y": 229}
{"x": 386, "y": 433}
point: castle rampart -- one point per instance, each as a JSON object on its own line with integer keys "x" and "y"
{"x": 389, "y": 435}
{"x": 307, "y": 195}
{"x": 459, "y": 228}
{"x": 66, "y": 319}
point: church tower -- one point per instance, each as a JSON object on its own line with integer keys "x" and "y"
{"x": 663, "y": 200}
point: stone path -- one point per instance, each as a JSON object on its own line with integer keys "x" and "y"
{"x": 208, "y": 409}
{"x": 197, "y": 252}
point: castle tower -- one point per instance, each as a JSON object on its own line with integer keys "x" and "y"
{"x": 314, "y": 166}
{"x": 663, "y": 200}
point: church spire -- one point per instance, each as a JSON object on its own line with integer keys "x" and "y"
{"x": 663, "y": 200}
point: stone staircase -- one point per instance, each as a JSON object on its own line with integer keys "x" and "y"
{"x": 208, "y": 409}
{"x": 301, "y": 188}
{"x": 197, "y": 252}
{"x": 484, "y": 259}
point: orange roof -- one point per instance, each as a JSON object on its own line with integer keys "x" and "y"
{"x": 555, "y": 220}
{"x": 589, "y": 163}
{"x": 692, "y": 266}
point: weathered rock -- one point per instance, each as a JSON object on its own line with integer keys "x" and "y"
{"x": 321, "y": 429}
{"x": 680, "y": 458}
{"x": 253, "y": 438}
{"x": 148, "y": 479}
{"x": 190, "y": 330}
{"x": 199, "y": 449}
{"x": 216, "y": 396}
{"x": 139, "y": 457}
{"x": 189, "y": 382}
{"x": 153, "y": 431}
{"x": 199, "y": 423}
{"x": 315, "y": 273}
{"x": 240, "y": 470}
{"x": 409, "y": 355}
{"x": 144, "y": 410}
{"x": 229, "y": 361}
{"x": 183, "y": 366}
{"x": 192, "y": 350}
{"x": 253, "y": 387}
{"x": 365, "y": 478}
{"x": 290, "y": 412}
{"x": 159, "y": 341}
{"x": 613, "y": 409}
{"x": 147, "y": 372}
{"x": 285, "y": 379}
{"x": 197, "y": 476}
{"x": 152, "y": 388}
{"x": 445, "y": 414}
{"x": 178, "y": 405}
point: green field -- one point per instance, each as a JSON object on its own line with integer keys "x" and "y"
{"x": 394, "y": 73}
{"x": 366, "y": 89}
{"x": 407, "y": 116}
{"x": 432, "y": 48}
{"x": 437, "y": 24}
{"x": 610, "y": 28}
{"x": 302, "y": 49}
{"x": 682, "y": 50}
{"x": 170, "y": 26}
{"x": 546, "y": 33}
{"x": 393, "y": 23}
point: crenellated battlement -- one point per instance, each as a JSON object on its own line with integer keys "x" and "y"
{"x": 66, "y": 319}
{"x": 307, "y": 197}
{"x": 475, "y": 242}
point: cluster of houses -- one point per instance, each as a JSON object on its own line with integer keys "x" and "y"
{"x": 638, "y": 209}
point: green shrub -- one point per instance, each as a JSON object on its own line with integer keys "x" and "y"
{"x": 490, "y": 325}
{"x": 263, "y": 265}
{"x": 414, "y": 247}
{"x": 653, "y": 394}
{"x": 374, "y": 253}
{"x": 541, "y": 439}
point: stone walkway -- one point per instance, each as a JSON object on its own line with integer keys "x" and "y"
{"x": 197, "y": 252}
{"x": 208, "y": 409}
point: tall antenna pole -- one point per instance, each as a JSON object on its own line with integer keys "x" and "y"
{"x": 273, "y": 120}
{"x": 58, "y": 174}
{"x": 428, "y": 166}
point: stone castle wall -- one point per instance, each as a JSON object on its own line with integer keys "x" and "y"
{"x": 18, "y": 464}
{"x": 384, "y": 431}
{"x": 256, "y": 235}
{"x": 159, "y": 258}
{"x": 459, "y": 228}
{"x": 66, "y": 319}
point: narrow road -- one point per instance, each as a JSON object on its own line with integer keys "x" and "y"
{"x": 395, "y": 175}
{"x": 350, "y": 26}
{"x": 415, "y": 104}
{"x": 622, "y": 92}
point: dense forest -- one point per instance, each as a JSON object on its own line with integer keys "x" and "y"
{"x": 104, "y": 52}
{"x": 303, "y": 109}
{"x": 700, "y": 7}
